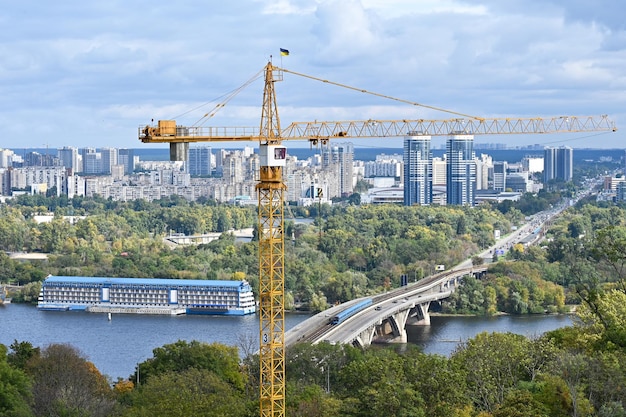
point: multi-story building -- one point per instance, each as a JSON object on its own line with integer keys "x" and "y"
{"x": 27, "y": 177}
{"x": 233, "y": 168}
{"x": 74, "y": 186}
{"x": 558, "y": 164}
{"x": 108, "y": 158}
{"x": 461, "y": 170}
{"x": 439, "y": 172}
{"x": 418, "y": 174}
{"x": 499, "y": 176}
{"x": 219, "y": 162}
{"x": 126, "y": 157}
{"x": 5, "y": 181}
{"x": 621, "y": 191}
{"x": 297, "y": 182}
{"x": 92, "y": 161}
{"x": 6, "y": 158}
{"x": 69, "y": 158}
{"x": 35, "y": 159}
{"x": 384, "y": 166}
{"x": 200, "y": 162}
{"x": 519, "y": 182}
{"x": 532, "y": 164}
{"x": 484, "y": 171}
{"x": 338, "y": 158}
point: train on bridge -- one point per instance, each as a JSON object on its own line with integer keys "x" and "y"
{"x": 350, "y": 311}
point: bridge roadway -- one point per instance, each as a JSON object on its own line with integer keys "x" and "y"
{"x": 386, "y": 318}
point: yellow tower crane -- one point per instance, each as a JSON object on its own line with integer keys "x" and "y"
{"x": 271, "y": 188}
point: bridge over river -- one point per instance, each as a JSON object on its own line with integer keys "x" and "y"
{"x": 383, "y": 320}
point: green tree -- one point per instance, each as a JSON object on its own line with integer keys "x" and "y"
{"x": 432, "y": 376}
{"x": 15, "y": 389}
{"x": 520, "y": 403}
{"x": 181, "y": 355}
{"x": 606, "y": 318}
{"x": 21, "y": 353}
{"x": 189, "y": 392}
{"x": 312, "y": 401}
{"x": 66, "y": 384}
{"x": 572, "y": 367}
{"x": 493, "y": 363}
{"x": 375, "y": 384}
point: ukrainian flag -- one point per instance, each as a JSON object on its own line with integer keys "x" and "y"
{"x": 284, "y": 52}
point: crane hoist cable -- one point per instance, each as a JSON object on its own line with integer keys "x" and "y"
{"x": 361, "y": 90}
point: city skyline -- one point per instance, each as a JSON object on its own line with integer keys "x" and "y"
{"x": 76, "y": 79}
{"x": 110, "y": 173}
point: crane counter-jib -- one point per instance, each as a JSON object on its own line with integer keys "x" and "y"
{"x": 168, "y": 132}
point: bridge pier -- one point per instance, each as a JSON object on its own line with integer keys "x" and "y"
{"x": 365, "y": 338}
{"x": 423, "y": 310}
{"x": 397, "y": 323}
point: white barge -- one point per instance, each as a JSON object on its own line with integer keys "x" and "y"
{"x": 146, "y": 296}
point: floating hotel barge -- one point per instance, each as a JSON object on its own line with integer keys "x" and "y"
{"x": 146, "y": 296}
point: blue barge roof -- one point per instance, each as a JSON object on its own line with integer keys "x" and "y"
{"x": 145, "y": 281}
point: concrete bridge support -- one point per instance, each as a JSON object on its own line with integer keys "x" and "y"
{"x": 423, "y": 312}
{"x": 397, "y": 323}
{"x": 365, "y": 337}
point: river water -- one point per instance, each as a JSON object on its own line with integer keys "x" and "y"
{"x": 116, "y": 346}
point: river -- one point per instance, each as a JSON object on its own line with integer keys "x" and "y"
{"x": 116, "y": 346}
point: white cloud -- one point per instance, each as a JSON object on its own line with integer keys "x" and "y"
{"x": 71, "y": 69}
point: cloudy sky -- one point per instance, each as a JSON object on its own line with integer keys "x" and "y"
{"x": 89, "y": 73}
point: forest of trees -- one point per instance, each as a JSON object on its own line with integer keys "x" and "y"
{"x": 347, "y": 252}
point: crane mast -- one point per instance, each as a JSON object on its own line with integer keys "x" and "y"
{"x": 271, "y": 188}
{"x": 270, "y": 193}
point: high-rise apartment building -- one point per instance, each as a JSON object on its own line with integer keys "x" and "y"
{"x": 460, "y": 170}
{"x": 35, "y": 159}
{"x": 233, "y": 169}
{"x": 339, "y": 158}
{"x": 126, "y": 157}
{"x": 91, "y": 160}
{"x": 6, "y": 158}
{"x": 418, "y": 173}
{"x": 219, "y": 162}
{"x": 439, "y": 172}
{"x": 484, "y": 171}
{"x": 558, "y": 164}
{"x": 69, "y": 158}
{"x": 108, "y": 158}
{"x": 200, "y": 161}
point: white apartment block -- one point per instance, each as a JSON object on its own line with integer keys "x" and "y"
{"x": 24, "y": 178}
{"x": 439, "y": 172}
{"x": 484, "y": 165}
{"x": 6, "y": 158}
